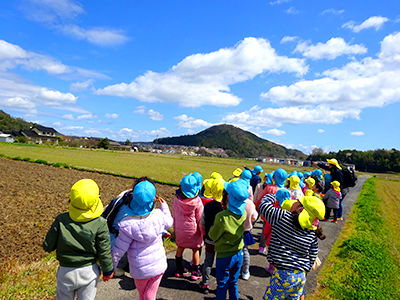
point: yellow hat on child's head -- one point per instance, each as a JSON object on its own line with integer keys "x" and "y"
{"x": 237, "y": 172}
{"x": 207, "y": 184}
{"x": 85, "y": 203}
{"x": 314, "y": 210}
{"x": 336, "y": 185}
{"x": 310, "y": 182}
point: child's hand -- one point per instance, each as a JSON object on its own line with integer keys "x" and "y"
{"x": 107, "y": 278}
{"x": 161, "y": 200}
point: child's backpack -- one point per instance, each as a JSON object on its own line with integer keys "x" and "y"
{"x": 111, "y": 210}
{"x": 350, "y": 177}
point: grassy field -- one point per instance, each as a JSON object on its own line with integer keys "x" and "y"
{"x": 365, "y": 261}
{"x": 161, "y": 167}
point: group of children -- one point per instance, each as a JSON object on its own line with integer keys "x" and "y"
{"x": 212, "y": 212}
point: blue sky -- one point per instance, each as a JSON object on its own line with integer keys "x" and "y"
{"x": 303, "y": 74}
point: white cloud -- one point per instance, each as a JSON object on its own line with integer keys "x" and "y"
{"x": 57, "y": 124}
{"x": 81, "y": 86}
{"x": 287, "y": 39}
{"x": 275, "y": 117}
{"x": 140, "y": 110}
{"x": 112, "y": 116}
{"x": 276, "y": 132}
{"x": 372, "y": 22}
{"x": 279, "y": 2}
{"x": 155, "y": 115}
{"x": 332, "y": 11}
{"x": 136, "y": 134}
{"x": 333, "y": 48}
{"x": 321, "y": 131}
{"x": 60, "y": 15}
{"x": 87, "y": 116}
{"x": 98, "y": 35}
{"x": 190, "y": 122}
{"x": 359, "y": 84}
{"x": 204, "y": 79}
{"x": 68, "y": 117}
{"x": 292, "y": 11}
{"x": 357, "y": 133}
{"x": 12, "y": 56}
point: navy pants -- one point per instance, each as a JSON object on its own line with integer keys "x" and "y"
{"x": 227, "y": 272}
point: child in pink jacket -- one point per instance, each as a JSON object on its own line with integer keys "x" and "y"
{"x": 187, "y": 209}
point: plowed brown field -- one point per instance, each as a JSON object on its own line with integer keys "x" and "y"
{"x": 32, "y": 195}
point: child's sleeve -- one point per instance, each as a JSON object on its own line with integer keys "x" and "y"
{"x": 167, "y": 215}
{"x": 203, "y": 223}
{"x": 50, "y": 242}
{"x": 103, "y": 248}
{"x": 199, "y": 212}
{"x": 121, "y": 246}
{"x": 217, "y": 229}
{"x": 271, "y": 214}
{"x": 313, "y": 251}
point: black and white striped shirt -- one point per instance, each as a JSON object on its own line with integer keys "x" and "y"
{"x": 290, "y": 248}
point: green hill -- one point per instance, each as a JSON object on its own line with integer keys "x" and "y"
{"x": 235, "y": 141}
{"x": 8, "y": 123}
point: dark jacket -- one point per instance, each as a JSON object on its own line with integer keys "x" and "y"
{"x": 336, "y": 175}
{"x": 210, "y": 211}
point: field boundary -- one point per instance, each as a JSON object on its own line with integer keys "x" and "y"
{"x": 67, "y": 166}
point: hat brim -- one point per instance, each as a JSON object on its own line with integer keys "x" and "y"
{"x": 334, "y": 163}
{"x": 85, "y": 215}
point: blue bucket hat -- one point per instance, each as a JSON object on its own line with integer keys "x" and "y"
{"x": 238, "y": 193}
{"x": 199, "y": 178}
{"x": 292, "y": 173}
{"x": 257, "y": 169}
{"x": 269, "y": 177}
{"x": 189, "y": 186}
{"x": 142, "y": 202}
{"x": 282, "y": 195}
{"x": 280, "y": 176}
{"x": 327, "y": 177}
{"x": 318, "y": 173}
{"x": 246, "y": 176}
{"x": 306, "y": 174}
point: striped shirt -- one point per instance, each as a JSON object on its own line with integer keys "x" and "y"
{"x": 290, "y": 248}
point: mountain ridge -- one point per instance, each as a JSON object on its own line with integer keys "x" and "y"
{"x": 235, "y": 141}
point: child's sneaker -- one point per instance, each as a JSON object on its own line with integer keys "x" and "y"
{"x": 196, "y": 275}
{"x": 166, "y": 235}
{"x": 246, "y": 276}
{"x": 204, "y": 288}
{"x": 182, "y": 273}
{"x": 334, "y": 221}
{"x": 340, "y": 218}
{"x": 325, "y": 220}
{"x": 261, "y": 250}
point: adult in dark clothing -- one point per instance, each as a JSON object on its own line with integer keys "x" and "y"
{"x": 336, "y": 173}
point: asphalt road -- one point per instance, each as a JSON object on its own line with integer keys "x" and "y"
{"x": 173, "y": 288}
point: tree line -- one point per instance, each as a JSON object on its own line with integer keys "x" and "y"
{"x": 380, "y": 160}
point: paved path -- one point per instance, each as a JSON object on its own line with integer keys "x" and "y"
{"x": 172, "y": 288}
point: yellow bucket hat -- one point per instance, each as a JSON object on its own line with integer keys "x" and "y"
{"x": 314, "y": 210}
{"x": 287, "y": 204}
{"x": 237, "y": 172}
{"x": 294, "y": 182}
{"x": 85, "y": 204}
{"x": 334, "y": 162}
{"x": 216, "y": 175}
{"x": 217, "y": 189}
{"x": 207, "y": 184}
{"x": 336, "y": 185}
{"x": 310, "y": 182}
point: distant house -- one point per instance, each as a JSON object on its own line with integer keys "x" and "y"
{"x": 8, "y": 138}
{"x": 40, "y": 134}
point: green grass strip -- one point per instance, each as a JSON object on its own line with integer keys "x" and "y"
{"x": 363, "y": 266}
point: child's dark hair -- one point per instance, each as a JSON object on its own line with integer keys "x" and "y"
{"x": 224, "y": 201}
{"x": 318, "y": 186}
{"x": 315, "y": 178}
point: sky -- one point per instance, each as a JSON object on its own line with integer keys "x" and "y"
{"x": 303, "y": 74}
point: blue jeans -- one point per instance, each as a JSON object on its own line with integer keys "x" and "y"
{"x": 227, "y": 272}
{"x": 340, "y": 210}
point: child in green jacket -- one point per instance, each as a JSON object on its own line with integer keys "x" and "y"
{"x": 80, "y": 238}
{"x": 227, "y": 234}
